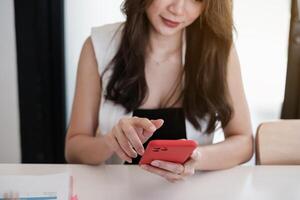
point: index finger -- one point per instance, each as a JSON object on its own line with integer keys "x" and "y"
{"x": 144, "y": 123}
{"x": 169, "y": 166}
{"x": 133, "y": 138}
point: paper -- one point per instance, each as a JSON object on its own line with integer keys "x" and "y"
{"x": 40, "y": 187}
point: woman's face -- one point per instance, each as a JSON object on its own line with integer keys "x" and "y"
{"x": 171, "y": 16}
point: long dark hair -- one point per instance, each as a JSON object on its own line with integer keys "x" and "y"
{"x": 208, "y": 39}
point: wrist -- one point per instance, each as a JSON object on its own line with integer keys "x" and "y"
{"x": 105, "y": 142}
{"x": 198, "y": 156}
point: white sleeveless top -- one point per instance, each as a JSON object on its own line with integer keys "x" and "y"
{"x": 106, "y": 40}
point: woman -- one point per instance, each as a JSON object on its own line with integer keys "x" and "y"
{"x": 170, "y": 71}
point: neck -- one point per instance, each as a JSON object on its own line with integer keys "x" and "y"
{"x": 164, "y": 46}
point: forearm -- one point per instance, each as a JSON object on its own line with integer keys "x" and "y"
{"x": 87, "y": 150}
{"x": 233, "y": 151}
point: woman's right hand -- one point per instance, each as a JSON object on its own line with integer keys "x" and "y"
{"x": 127, "y": 137}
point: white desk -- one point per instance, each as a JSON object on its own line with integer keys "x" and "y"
{"x": 130, "y": 182}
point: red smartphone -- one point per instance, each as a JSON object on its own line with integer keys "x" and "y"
{"x": 177, "y": 151}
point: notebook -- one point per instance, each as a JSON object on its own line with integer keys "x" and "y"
{"x": 37, "y": 187}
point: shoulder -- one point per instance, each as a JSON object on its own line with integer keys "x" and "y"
{"x": 233, "y": 58}
{"x": 110, "y": 26}
{"x": 107, "y": 30}
{"x": 88, "y": 49}
{"x": 105, "y": 40}
{"x": 233, "y": 65}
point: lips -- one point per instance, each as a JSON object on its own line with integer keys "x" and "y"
{"x": 170, "y": 23}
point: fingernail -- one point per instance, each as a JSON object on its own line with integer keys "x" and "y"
{"x": 129, "y": 160}
{"x": 142, "y": 152}
{"x": 152, "y": 128}
{"x": 155, "y": 163}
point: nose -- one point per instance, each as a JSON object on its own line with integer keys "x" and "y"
{"x": 177, "y": 7}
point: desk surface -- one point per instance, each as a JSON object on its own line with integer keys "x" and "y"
{"x": 131, "y": 182}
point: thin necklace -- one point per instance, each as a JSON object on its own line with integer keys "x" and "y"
{"x": 158, "y": 63}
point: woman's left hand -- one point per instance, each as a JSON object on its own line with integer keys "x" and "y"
{"x": 173, "y": 171}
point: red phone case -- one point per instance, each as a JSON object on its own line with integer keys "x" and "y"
{"x": 177, "y": 151}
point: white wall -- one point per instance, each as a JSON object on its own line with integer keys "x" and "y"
{"x": 9, "y": 110}
{"x": 80, "y": 16}
{"x": 262, "y": 44}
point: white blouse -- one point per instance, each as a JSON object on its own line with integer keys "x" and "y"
{"x": 106, "y": 40}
